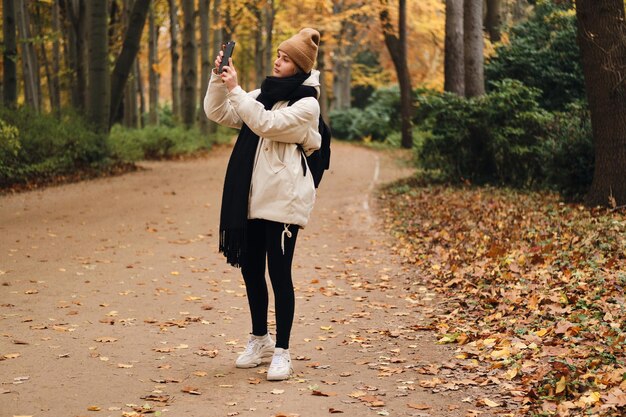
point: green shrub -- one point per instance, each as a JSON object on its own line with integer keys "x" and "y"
{"x": 44, "y": 146}
{"x": 543, "y": 53}
{"x": 571, "y": 146}
{"x": 155, "y": 142}
{"x": 377, "y": 120}
{"x": 497, "y": 138}
{"x": 342, "y": 123}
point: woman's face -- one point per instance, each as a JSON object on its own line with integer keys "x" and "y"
{"x": 284, "y": 66}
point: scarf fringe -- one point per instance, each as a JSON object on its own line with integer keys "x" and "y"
{"x": 232, "y": 244}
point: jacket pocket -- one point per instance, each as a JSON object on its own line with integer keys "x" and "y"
{"x": 272, "y": 155}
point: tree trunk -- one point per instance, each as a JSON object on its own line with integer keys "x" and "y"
{"x": 30, "y": 67}
{"x": 454, "y": 64}
{"x": 40, "y": 34}
{"x": 9, "y": 60}
{"x": 141, "y": 93}
{"x": 55, "y": 91}
{"x": 473, "y": 39}
{"x": 98, "y": 53}
{"x": 153, "y": 72}
{"x": 321, "y": 67}
{"x": 189, "y": 70}
{"x": 205, "y": 60}
{"x": 397, "y": 46}
{"x": 342, "y": 61}
{"x": 268, "y": 49}
{"x": 74, "y": 13}
{"x": 217, "y": 45}
{"x": 175, "y": 57}
{"x": 130, "y": 48}
{"x": 130, "y": 101}
{"x": 259, "y": 62}
{"x": 492, "y": 20}
{"x": 600, "y": 30}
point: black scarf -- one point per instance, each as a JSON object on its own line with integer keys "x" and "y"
{"x": 234, "y": 212}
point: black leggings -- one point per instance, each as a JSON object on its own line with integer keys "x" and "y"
{"x": 265, "y": 239}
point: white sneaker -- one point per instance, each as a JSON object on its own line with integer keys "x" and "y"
{"x": 258, "y": 348}
{"x": 280, "y": 368}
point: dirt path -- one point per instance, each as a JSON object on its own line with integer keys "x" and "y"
{"x": 113, "y": 294}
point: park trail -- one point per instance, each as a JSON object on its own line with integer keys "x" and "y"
{"x": 114, "y": 301}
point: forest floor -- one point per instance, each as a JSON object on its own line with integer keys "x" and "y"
{"x": 114, "y": 301}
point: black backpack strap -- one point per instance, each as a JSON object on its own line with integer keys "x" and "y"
{"x": 302, "y": 159}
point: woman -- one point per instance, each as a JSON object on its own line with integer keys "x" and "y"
{"x": 268, "y": 191}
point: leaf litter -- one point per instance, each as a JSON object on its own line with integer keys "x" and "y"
{"x": 530, "y": 291}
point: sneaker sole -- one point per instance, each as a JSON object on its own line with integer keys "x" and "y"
{"x": 280, "y": 377}
{"x": 264, "y": 355}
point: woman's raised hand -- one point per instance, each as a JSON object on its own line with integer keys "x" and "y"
{"x": 229, "y": 75}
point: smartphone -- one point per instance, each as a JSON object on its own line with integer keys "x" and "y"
{"x": 228, "y": 52}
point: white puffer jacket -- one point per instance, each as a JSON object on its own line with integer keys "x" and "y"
{"x": 279, "y": 191}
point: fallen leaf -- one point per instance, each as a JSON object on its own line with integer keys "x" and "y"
{"x": 191, "y": 390}
{"x": 323, "y": 394}
{"x": 106, "y": 339}
{"x": 334, "y": 411}
{"x": 419, "y": 406}
{"x": 488, "y": 402}
{"x": 11, "y": 355}
{"x": 93, "y": 408}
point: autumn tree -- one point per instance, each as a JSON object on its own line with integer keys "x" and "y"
{"x": 9, "y": 54}
{"x": 346, "y": 46}
{"x": 601, "y": 29}
{"x": 454, "y": 65}
{"x": 397, "y": 46}
{"x": 174, "y": 57}
{"x": 474, "y": 47}
{"x": 98, "y": 58}
{"x": 30, "y": 65}
{"x": 205, "y": 58}
{"x": 130, "y": 48}
{"x": 492, "y": 19}
{"x": 153, "y": 66}
{"x": 189, "y": 64}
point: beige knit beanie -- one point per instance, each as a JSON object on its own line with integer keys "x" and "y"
{"x": 302, "y": 48}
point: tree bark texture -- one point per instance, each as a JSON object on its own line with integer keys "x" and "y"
{"x": 175, "y": 58}
{"x": 39, "y": 28}
{"x": 345, "y": 48}
{"x": 55, "y": 91}
{"x": 492, "y": 20}
{"x": 30, "y": 66}
{"x": 189, "y": 69}
{"x": 205, "y": 60}
{"x": 321, "y": 67}
{"x": 474, "y": 45}
{"x": 98, "y": 58}
{"x": 268, "y": 50}
{"x": 397, "y": 46}
{"x": 9, "y": 58}
{"x": 454, "y": 58}
{"x": 76, "y": 29}
{"x": 601, "y": 31}
{"x": 217, "y": 45}
{"x": 140, "y": 93}
{"x": 153, "y": 72}
{"x": 130, "y": 48}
